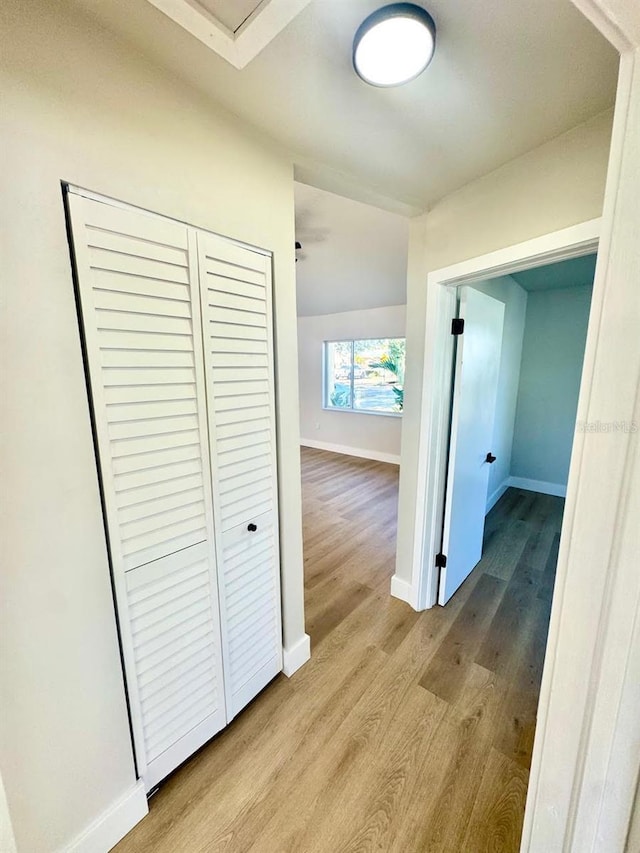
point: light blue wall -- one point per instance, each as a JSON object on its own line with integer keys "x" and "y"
{"x": 506, "y": 290}
{"x": 552, "y": 356}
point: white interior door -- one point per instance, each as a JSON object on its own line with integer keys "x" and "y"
{"x": 474, "y": 401}
{"x": 138, "y": 285}
{"x": 235, "y": 288}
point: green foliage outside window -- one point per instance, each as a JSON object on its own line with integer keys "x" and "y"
{"x": 365, "y": 375}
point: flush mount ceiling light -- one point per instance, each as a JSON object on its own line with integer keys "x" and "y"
{"x": 394, "y": 44}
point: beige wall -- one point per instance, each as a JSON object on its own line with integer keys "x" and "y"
{"x": 376, "y": 434}
{"x": 556, "y": 185}
{"x": 80, "y": 106}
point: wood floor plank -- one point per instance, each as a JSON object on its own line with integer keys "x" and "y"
{"x": 503, "y": 640}
{"x": 366, "y": 819}
{"x": 341, "y": 765}
{"x": 406, "y": 732}
{"x": 496, "y": 821}
{"x": 503, "y": 551}
{"x": 545, "y": 590}
{"x": 292, "y": 779}
{"x": 514, "y": 735}
{"x": 334, "y": 552}
{"x": 396, "y": 623}
{"x": 343, "y": 599}
{"x": 446, "y": 673}
{"x": 462, "y": 744}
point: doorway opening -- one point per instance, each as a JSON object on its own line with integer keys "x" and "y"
{"x": 435, "y": 415}
{"x": 351, "y": 273}
{"x": 499, "y": 609}
{"x": 516, "y": 377}
{"x": 519, "y": 351}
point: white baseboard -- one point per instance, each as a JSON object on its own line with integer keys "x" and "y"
{"x": 556, "y": 489}
{"x": 351, "y": 451}
{"x": 113, "y": 824}
{"x": 296, "y": 656}
{"x": 499, "y": 492}
{"x": 403, "y": 590}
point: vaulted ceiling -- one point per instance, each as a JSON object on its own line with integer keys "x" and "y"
{"x": 353, "y": 255}
{"x": 507, "y": 76}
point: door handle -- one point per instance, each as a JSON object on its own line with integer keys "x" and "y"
{"x": 490, "y": 458}
{"x": 252, "y": 527}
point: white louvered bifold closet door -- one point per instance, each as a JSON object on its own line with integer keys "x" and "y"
{"x": 137, "y": 281}
{"x": 235, "y": 289}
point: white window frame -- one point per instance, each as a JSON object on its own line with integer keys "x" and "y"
{"x": 325, "y": 378}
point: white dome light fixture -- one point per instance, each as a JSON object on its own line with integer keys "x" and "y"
{"x": 394, "y": 45}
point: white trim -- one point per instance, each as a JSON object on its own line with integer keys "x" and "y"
{"x": 403, "y": 591}
{"x": 350, "y": 411}
{"x": 296, "y": 656}
{"x": 499, "y": 492}
{"x": 572, "y": 242}
{"x": 432, "y": 443}
{"x": 539, "y": 486}
{"x": 586, "y": 756}
{"x": 343, "y": 449}
{"x": 560, "y": 245}
{"x": 615, "y": 21}
{"x": 239, "y": 48}
{"x": 113, "y": 824}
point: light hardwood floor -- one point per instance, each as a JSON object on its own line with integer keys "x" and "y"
{"x": 405, "y": 732}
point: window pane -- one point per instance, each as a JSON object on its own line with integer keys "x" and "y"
{"x": 379, "y": 375}
{"x": 338, "y": 376}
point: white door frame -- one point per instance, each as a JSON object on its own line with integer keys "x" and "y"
{"x": 586, "y": 756}
{"x": 438, "y": 371}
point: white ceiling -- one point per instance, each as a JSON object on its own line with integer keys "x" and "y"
{"x": 507, "y": 76}
{"x": 353, "y": 256}
{"x": 232, "y": 13}
{"x": 572, "y": 273}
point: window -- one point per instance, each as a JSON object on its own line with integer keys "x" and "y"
{"x": 365, "y": 376}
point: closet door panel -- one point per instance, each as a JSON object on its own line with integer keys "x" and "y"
{"x": 235, "y": 292}
{"x": 251, "y": 592}
{"x": 175, "y": 644}
{"x": 137, "y": 281}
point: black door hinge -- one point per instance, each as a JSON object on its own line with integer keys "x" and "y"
{"x": 457, "y": 326}
{"x": 441, "y": 561}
